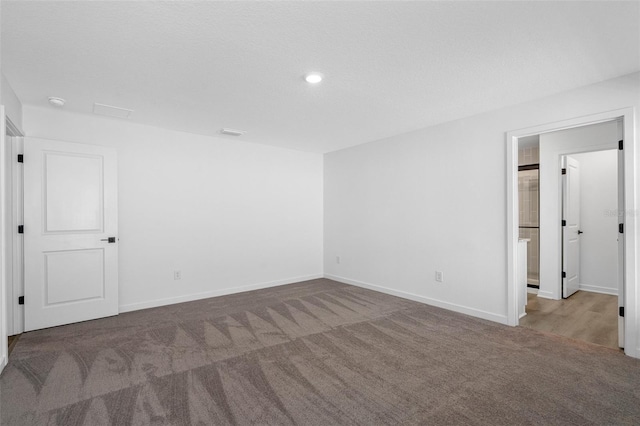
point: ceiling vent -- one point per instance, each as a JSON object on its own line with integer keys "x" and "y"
{"x": 111, "y": 111}
{"x": 232, "y": 132}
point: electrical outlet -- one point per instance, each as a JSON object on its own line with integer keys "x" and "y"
{"x": 177, "y": 275}
{"x": 338, "y": 259}
{"x": 439, "y": 276}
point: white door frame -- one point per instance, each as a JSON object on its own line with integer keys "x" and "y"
{"x": 631, "y": 262}
{"x": 6, "y": 256}
{"x": 15, "y": 218}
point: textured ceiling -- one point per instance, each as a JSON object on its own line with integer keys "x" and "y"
{"x": 390, "y": 67}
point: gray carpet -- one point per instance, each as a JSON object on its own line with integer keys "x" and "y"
{"x": 312, "y": 353}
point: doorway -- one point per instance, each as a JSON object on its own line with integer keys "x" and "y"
{"x": 588, "y": 308}
{"x": 529, "y": 205}
{"x": 63, "y": 249}
{"x": 550, "y": 278}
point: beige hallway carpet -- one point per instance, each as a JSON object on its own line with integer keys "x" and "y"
{"x": 312, "y": 353}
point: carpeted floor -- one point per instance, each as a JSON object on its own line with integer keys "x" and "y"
{"x": 312, "y": 353}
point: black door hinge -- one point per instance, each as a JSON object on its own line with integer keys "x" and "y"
{"x": 20, "y": 158}
{"x": 621, "y": 311}
{"x": 564, "y": 222}
{"x": 620, "y": 145}
{"x": 621, "y": 228}
{"x": 564, "y": 171}
{"x": 21, "y": 300}
{"x": 20, "y": 229}
{"x": 564, "y": 274}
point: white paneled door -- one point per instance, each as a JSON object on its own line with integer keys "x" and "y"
{"x": 70, "y": 233}
{"x": 571, "y": 227}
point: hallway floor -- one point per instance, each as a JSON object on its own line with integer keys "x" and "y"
{"x": 591, "y": 317}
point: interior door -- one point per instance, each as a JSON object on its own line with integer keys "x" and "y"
{"x": 571, "y": 226}
{"x": 70, "y": 233}
{"x": 621, "y": 220}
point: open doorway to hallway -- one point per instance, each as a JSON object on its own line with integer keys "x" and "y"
{"x": 578, "y": 169}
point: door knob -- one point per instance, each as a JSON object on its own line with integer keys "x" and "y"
{"x": 580, "y": 232}
{"x": 110, "y": 239}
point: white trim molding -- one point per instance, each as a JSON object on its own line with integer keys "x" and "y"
{"x": 12, "y": 129}
{"x": 545, "y": 294}
{"x": 214, "y": 293}
{"x": 502, "y": 319}
{"x": 598, "y": 289}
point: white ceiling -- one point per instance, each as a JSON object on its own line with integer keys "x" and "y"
{"x": 390, "y": 67}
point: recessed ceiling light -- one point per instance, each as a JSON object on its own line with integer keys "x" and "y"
{"x": 56, "y": 102}
{"x": 313, "y": 78}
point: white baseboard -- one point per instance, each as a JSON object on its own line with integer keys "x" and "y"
{"x": 3, "y": 363}
{"x": 598, "y": 289}
{"x": 532, "y": 290}
{"x": 502, "y": 319}
{"x": 546, "y": 295}
{"x": 214, "y": 293}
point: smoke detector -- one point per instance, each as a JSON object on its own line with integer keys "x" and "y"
{"x": 232, "y": 132}
{"x": 56, "y": 102}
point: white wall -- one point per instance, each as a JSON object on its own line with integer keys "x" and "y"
{"x": 12, "y": 105}
{"x": 398, "y": 209}
{"x": 552, "y": 146}
{"x": 599, "y": 221}
{"x": 230, "y": 215}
